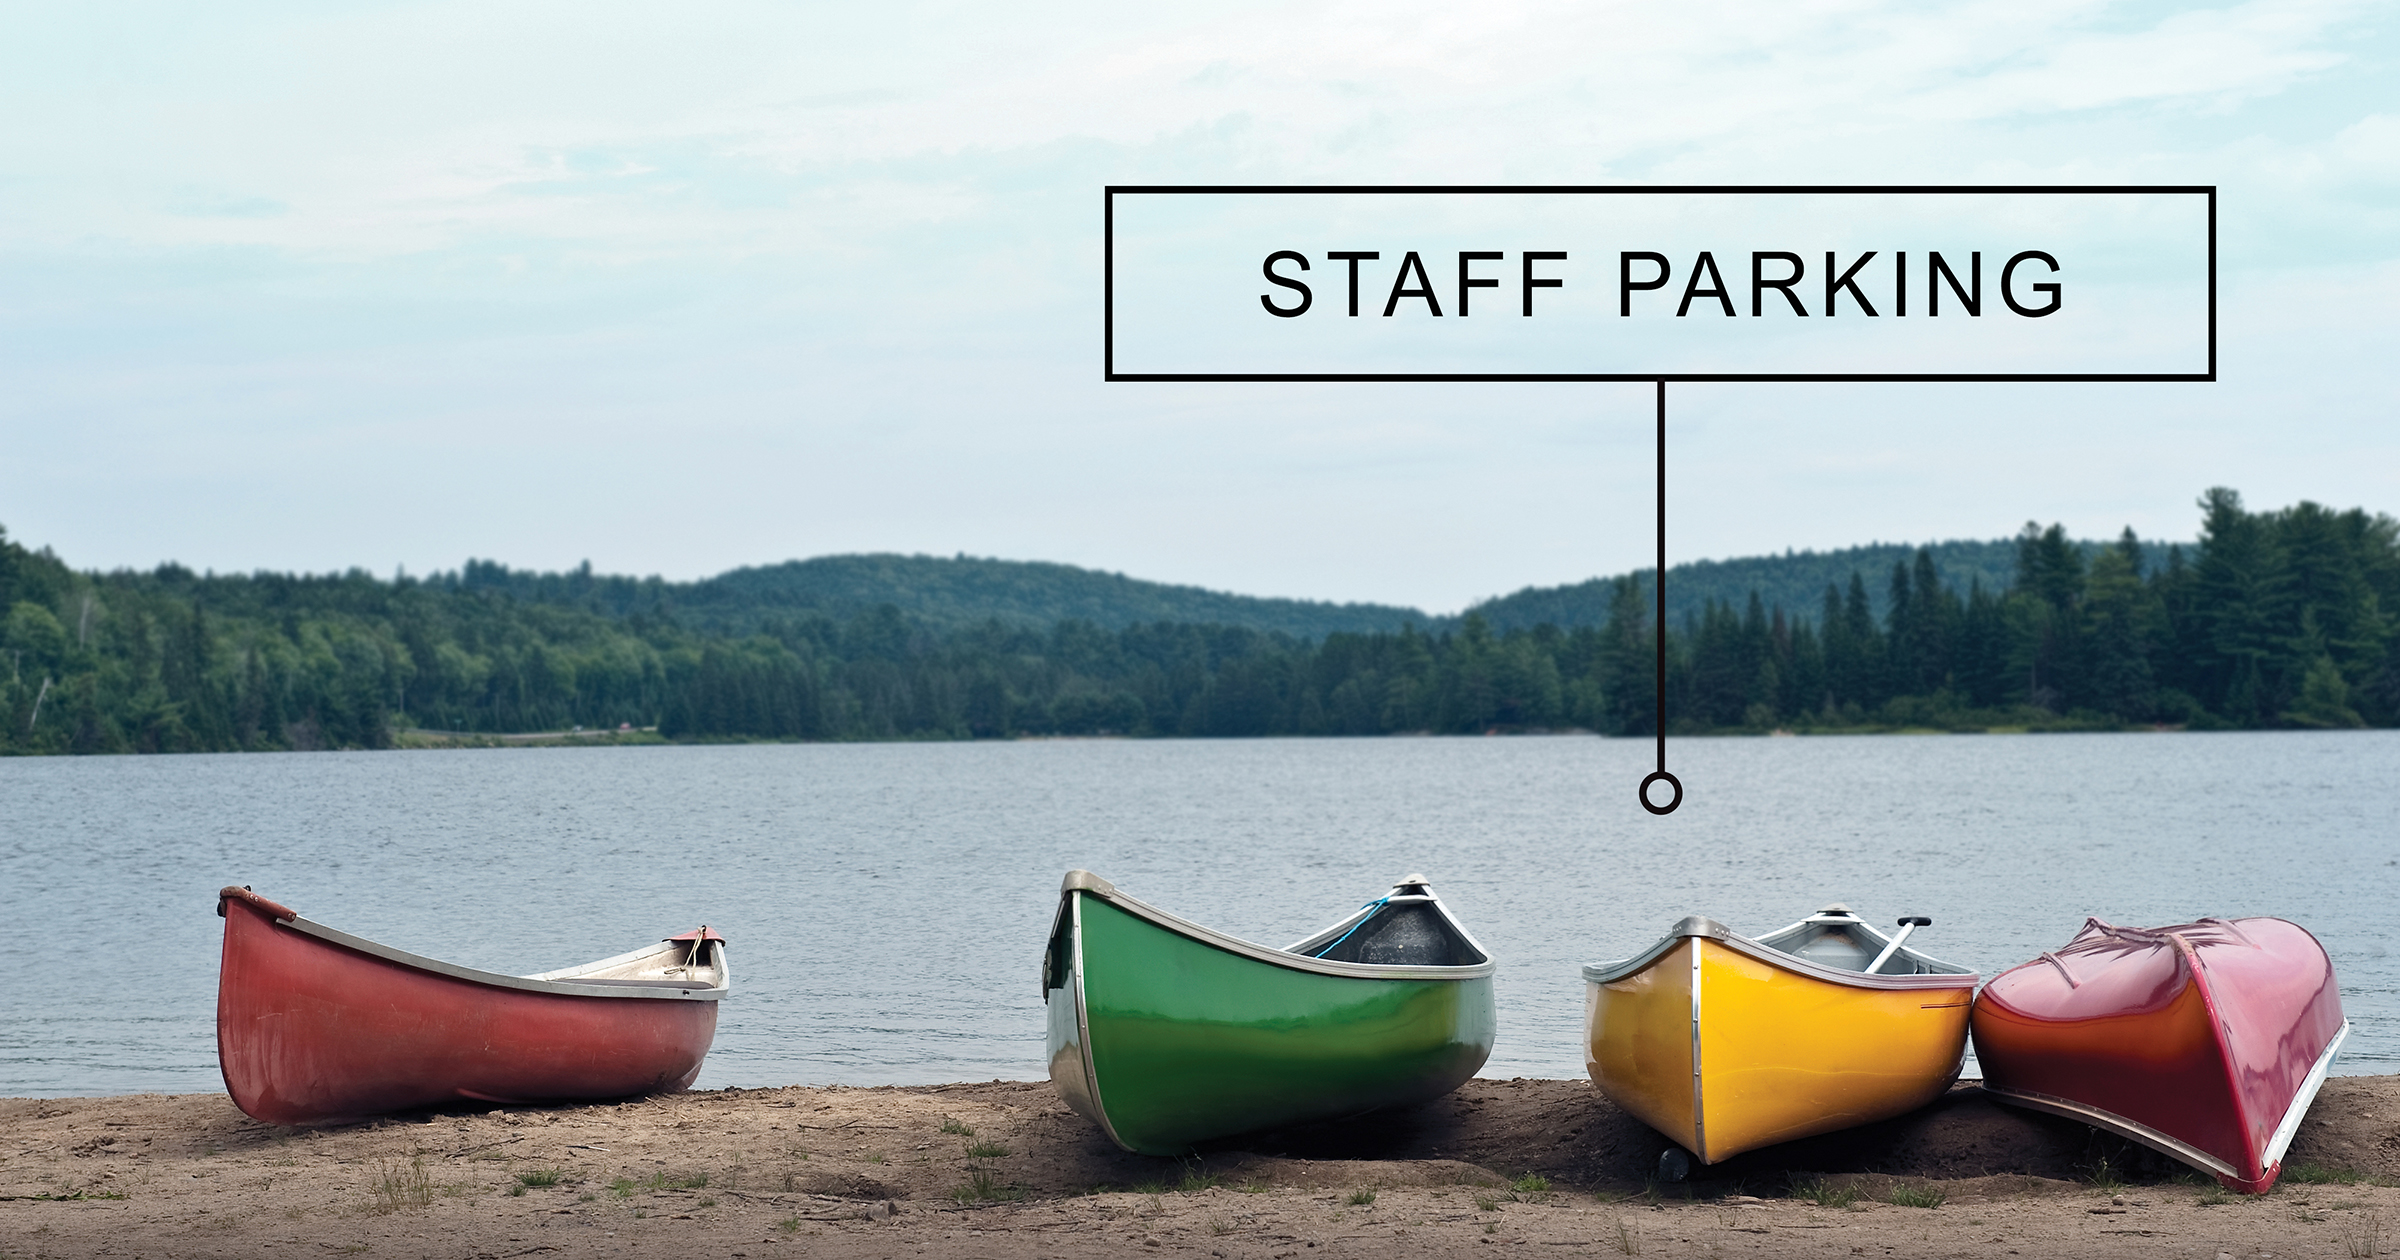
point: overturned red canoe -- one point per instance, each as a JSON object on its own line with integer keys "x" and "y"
{"x": 316, "y": 1026}
{"x": 2205, "y": 1041}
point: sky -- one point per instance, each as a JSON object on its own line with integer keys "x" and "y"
{"x": 680, "y": 288}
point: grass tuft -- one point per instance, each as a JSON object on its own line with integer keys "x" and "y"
{"x": 1824, "y": 1193}
{"x": 396, "y": 1186}
{"x": 2362, "y": 1236}
{"x": 1487, "y": 1203}
{"x": 985, "y": 1150}
{"x": 1196, "y": 1181}
{"x": 953, "y": 1125}
{"x": 2104, "y": 1173}
{"x": 539, "y": 1178}
{"x": 2211, "y": 1196}
{"x": 1626, "y": 1242}
{"x": 1361, "y": 1198}
{"x": 1905, "y": 1195}
{"x": 981, "y": 1187}
{"x": 1530, "y": 1183}
{"x": 2321, "y": 1175}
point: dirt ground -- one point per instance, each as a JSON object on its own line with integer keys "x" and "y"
{"x": 1004, "y": 1170}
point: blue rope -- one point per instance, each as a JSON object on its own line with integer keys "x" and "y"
{"x": 1370, "y": 908}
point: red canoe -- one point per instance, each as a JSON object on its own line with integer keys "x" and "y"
{"x": 2205, "y": 1041}
{"x": 316, "y": 1026}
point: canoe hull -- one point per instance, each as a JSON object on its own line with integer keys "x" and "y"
{"x": 1166, "y": 1041}
{"x": 313, "y": 1032}
{"x": 1726, "y": 1052}
{"x": 2205, "y": 1041}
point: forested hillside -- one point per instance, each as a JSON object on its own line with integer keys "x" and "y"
{"x": 1793, "y": 580}
{"x": 2272, "y": 619}
{"x": 935, "y": 592}
{"x": 947, "y": 593}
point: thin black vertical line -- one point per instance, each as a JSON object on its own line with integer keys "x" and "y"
{"x": 1108, "y": 284}
{"x": 2212, "y": 282}
{"x": 1661, "y": 577}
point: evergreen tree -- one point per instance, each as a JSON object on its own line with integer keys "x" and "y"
{"x": 2120, "y": 620}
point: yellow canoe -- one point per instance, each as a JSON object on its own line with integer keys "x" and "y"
{"x": 1727, "y": 1044}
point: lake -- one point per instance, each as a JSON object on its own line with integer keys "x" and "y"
{"x": 887, "y": 904}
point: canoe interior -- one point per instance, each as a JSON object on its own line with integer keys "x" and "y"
{"x": 1834, "y": 937}
{"x": 1406, "y": 929}
{"x": 669, "y": 964}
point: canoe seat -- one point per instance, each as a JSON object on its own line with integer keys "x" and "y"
{"x": 1405, "y": 933}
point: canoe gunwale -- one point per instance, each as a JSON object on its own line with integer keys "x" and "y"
{"x": 2301, "y": 1098}
{"x": 1092, "y": 885}
{"x": 633, "y": 989}
{"x": 2133, "y": 1130}
{"x": 1704, "y": 927}
{"x": 564, "y": 988}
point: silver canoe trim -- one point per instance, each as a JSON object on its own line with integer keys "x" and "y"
{"x": 2135, "y": 1130}
{"x": 1702, "y": 926}
{"x": 1699, "y": 1100}
{"x": 2292, "y": 1115}
{"x": 564, "y": 986}
{"x": 1092, "y": 885}
{"x": 1083, "y": 1024}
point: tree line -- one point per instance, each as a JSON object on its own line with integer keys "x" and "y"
{"x": 2275, "y": 619}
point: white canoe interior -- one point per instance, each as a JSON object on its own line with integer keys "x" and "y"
{"x": 693, "y": 964}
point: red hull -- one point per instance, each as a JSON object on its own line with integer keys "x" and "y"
{"x": 2206, "y": 1040}
{"x": 311, "y": 1032}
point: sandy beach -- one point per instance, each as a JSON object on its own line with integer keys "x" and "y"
{"x": 1004, "y": 1170}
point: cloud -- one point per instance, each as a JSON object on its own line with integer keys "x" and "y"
{"x": 805, "y": 278}
{"x": 747, "y": 128}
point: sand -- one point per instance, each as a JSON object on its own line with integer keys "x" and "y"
{"x": 1004, "y": 1170}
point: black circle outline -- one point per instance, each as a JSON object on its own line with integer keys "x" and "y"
{"x": 1642, "y": 793}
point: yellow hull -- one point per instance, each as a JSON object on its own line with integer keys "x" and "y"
{"x": 1726, "y": 1052}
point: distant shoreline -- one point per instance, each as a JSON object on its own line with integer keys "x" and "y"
{"x": 418, "y": 739}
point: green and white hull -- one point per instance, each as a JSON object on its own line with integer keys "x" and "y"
{"x": 1167, "y": 1034}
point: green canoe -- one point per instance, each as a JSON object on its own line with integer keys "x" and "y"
{"x": 1167, "y": 1034}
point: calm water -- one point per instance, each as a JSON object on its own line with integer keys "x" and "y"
{"x": 887, "y": 903}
